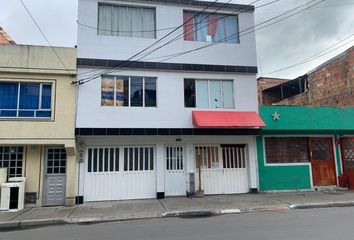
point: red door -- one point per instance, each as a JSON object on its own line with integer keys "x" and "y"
{"x": 322, "y": 161}
{"x": 347, "y": 149}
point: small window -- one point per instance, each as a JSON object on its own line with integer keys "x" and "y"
{"x": 126, "y": 21}
{"x": 12, "y": 159}
{"x": 25, "y": 100}
{"x": 103, "y": 160}
{"x": 124, "y": 91}
{"x": 286, "y": 149}
{"x": 202, "y": 93}
{"x": 210, "y": 27}
{"x": 138, "y": 158}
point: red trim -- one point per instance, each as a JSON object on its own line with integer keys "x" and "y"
{"x": 212, "y": 25}
{"x": 226, "y": 119}
{"x": 188, "y": 26}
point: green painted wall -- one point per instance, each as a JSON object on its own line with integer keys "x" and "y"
{"x": 339, "y": 161}
{"x": 300, "y": 118}
{"x": 281, "y": 177}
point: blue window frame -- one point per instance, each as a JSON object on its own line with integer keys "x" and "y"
{"x": 25, "y": 100}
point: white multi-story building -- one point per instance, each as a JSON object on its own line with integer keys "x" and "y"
{"x": 146, "y": 124}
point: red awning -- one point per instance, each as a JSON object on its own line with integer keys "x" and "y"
{"x": 226, "y": 119}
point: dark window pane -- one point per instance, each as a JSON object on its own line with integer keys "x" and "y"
{"x": 95, "y": 160}
{"x": 13, "y": 156}
{"x": 131, "y": 163}
{"x": 4, "y": 113}
{"x": 136, "y": 86}
{"x": 136, "y": 159}
{"x": 8, "y": 96}
{"x": 125, "y": 159}
{"x": 100, "y": 161}
{"x": 111, "y": 160}
{"x": 150, "y": 92}
{"x": 46, "y": 96}
{"x": 56, "y": 163}
{"x": 106, "y": 157}
{"x": 122, "y": 91}
{"x": 89, "y": 165}
{"x": 49, "y": 170}
{"x": 19, "y": 163}
{"x": 62, "y": 170}
{"x": 26, "y": 114}
{"x": 141, "y": 157}
{"x": 146, "y": 159}
{"x": 63, "y": 163}
{"x": 151, "y": 158}
{"x": 19, "y": 172}
{"x": 44, "y": 114}
{"x": 56, "y": 170}
{"x": 189, "y": 92}
{"x": 50, "y": 163}
{"x": 117, "y": 160}
{"x": 29, "y": 96}
{"x": 12, "y": 163}
{"x": 5, "y": 163}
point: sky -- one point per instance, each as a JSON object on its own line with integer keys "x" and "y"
{"x": 318, "y": 30}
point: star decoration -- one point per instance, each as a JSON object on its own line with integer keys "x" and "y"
{"x": 276, "y": 116}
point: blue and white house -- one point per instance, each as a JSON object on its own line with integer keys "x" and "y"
{"x": 168, "y": 122}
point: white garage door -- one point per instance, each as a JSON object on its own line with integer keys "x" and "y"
{"x": 118, "y": 173}
{"x": 223, "y": 169}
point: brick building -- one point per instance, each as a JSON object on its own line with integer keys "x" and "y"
{"x": 265, "y": 83}
{"x": 330, "y": 84}
{"x": 5, "y": 38}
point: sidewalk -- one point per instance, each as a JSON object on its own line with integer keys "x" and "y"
{"x": 173, "y": 207}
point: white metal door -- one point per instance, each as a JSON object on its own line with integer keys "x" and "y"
{"x": 223, "y": 169}
{"x": 118, "y": 173}
{"x": 175, "y": 173}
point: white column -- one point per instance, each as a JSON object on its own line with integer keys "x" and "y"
{"x": 252, "y": 153}
{"x": 190, "y": 163}
{"x": 160, "y": 168}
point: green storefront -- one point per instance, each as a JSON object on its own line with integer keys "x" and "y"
{"x": 302, "y": 148}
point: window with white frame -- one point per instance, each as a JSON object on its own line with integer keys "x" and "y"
{"x": 203, "y": 93}
{"x": 126, "y": 21}
{"x": 12, "y": 159}
{"x": 25, "y": 100}
{"x": 208, "y": 27}
{"x": 126, "y": 91}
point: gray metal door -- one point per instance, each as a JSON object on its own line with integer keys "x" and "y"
{"x": 55, "y": 177}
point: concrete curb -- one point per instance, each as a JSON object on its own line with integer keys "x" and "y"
{"x": 31, "y": 223}
{"x": 321, "y": 205}
{"x": 199, "y": 213}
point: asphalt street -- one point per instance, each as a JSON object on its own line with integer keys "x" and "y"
{"x": 325, "y": 223}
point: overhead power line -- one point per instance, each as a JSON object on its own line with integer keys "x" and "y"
{"x": 174, "y": 39}
{"x": 40, "y": 30}
{"x": 250, "y": 30}
{"x": 164, "y": 37}
{"x": 317, "y": 55}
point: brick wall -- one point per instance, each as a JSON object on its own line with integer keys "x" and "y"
{"x": 331, "y": 84}
{"x": 265, "y": 83}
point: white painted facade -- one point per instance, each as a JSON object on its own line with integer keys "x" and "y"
{"x": 170, "y": 111}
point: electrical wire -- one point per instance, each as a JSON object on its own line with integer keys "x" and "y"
{"x": 40, "y": 30}
{"x": 174, "y": 39}
{"x": 315, "y": 56}
{"x": 161, "y": 39}
{"x": 238, "y": 34}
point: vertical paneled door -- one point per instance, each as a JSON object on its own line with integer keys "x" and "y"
{"x": 118, "y": 173}
{"x": 322, "y": 162}
{"x": 347, "y": 147}
{"x": 223, "y": 169}
{"x": 175, "y": 171}
{"x": 55, "y": 177}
